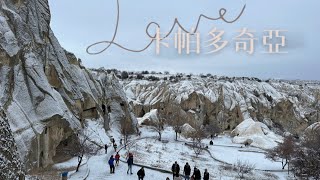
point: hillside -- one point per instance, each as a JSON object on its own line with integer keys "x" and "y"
{"x": 281, "y": 104}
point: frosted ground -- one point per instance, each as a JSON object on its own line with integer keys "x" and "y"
{"x": 149, "y": 152}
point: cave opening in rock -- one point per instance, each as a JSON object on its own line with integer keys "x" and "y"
{"x": 41, "y": 159}
{"x": 142, "y": 113}
{"x": 103, "y": 109}
{"x": 66, "y": 149}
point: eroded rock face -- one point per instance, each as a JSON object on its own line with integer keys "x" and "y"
{"x": 10, "y": 163}
{"x": 44, "y": 90}
{"x": 286, "y": 105}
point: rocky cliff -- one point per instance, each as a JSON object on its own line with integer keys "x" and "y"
{"x": 11, "y": 165}
{"x": 44, "y": 90}
{"x": 282, "y": 105}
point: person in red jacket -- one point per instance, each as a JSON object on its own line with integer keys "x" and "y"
{"x": 117, "y": 157}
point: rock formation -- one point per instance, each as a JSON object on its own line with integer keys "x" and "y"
{"x": 282, "y": 105}
{"x": 44, "y": 90}
{"x": 10, "y": 163}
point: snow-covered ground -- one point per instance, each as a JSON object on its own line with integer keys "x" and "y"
{"x": 150, "y": 152}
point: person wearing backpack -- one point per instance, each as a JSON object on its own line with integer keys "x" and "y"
{"x": 206, "y": 175}
{"x": 117, "y": 157}
{"x": 196, "y": 174}
{"x": 130, "y": 163}
{"x": 141, "y": 174}
{"x": 187, "y": 171}
{"x": 175, "y": 169}
{"x": 115, "y": 147}
{"x": 111, "y": 164}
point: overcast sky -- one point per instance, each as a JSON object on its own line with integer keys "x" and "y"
{"x": 77, "y": 24}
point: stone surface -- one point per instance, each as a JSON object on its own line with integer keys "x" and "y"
{"x": 44, "y": 90}
{"x": 286, "y": 105}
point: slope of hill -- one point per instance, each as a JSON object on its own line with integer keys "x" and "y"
{"x": 284, "y": 105}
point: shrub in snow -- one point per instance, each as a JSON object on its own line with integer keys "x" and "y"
{"x": 306, "y": 163}
{"x": 243, "y": 168}
{"x": 124, "y": 75}
{"x": 197, "y": 136}
{"x": 140, "y": 76}
{"x": 284, "y": 150}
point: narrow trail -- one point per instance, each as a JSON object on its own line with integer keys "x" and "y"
{"x": 98, "y": 167}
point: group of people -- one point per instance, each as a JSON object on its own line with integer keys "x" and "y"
{"x": 187, "y": 172}
{"x": 111, "y": 162}
{"x": 175, "y": 169}
{"x": 140, "y": 173}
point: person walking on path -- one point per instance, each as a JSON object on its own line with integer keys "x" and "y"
{"x": 115, "y": 146}
{"x": 111, "y": 164}
{"x": 175, "y": 170}
{"x": 141, "y": 174}
{"x": 196, "y": 174}
{"x": 187, "y": 171}
{"x": 130, "y": 163}
{"x": 106, "y": 148}
{"x": 117, "y": 157}
{"x": 206, "y": 175}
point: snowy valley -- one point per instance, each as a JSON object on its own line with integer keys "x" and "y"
{"x": 59, "y": 119}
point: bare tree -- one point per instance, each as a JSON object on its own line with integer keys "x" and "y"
{"x": 157, "y": 126}
{"x": 213, "y": 129}
{"x": 284, "y": 150}
{"x": 78, "y": 145}
{"x": 126, "y": 130}
{"x": 175, "y": 120}
{"x": 243, "y": 168}
{"x": 306, "y": 163}
{"x": 197, "y": 136}
{"x": 83, "y": 147}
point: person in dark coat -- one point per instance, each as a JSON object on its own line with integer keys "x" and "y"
{"x": 111, "y": 164}
{"x": 175, "y": 169}
{"x": 206, "y": 175}
{"x": 196, "y": 174}
{"x": 115, "y": 146}
{"x": 130, "y": 163}
{"x": 187, "y": 171}
{"x": 141, "y": 174}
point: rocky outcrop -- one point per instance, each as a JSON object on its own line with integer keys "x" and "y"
{"x": 44, "y": 90}
{"x": 10, "y": 163}
{"x": 282, "y": 105}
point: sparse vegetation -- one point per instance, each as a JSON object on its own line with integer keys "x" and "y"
{"x": 284, "y": 150}
{"x": 197, "y": 136}
{"x": 124, "y": 75}
{"x": 306, "y": 163}
{"x": 243, "y": 168}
